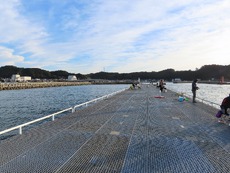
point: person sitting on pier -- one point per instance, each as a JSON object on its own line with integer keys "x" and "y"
{"x": 132, "y": 87}
{"x": 225, "y": 105}
{"x": 223, "y": 112}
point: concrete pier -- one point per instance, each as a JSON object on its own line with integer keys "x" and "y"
{"x": 132, "y": 132}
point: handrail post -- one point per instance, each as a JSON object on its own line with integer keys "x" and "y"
{"x": 73, "y": 109}
{"x": 52, "y": 117}
{"x": 20, "y": 130}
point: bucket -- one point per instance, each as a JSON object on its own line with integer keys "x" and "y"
{"x": 180, "y": 99}
{"x": 219, "y": 113}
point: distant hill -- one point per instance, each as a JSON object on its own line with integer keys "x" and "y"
{"x": 35, "y": 73}
{"x": 206, "y": 72}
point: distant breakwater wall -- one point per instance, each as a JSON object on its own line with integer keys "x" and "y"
{"x": 28, "y": 85}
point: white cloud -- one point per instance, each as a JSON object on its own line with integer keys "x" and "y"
{"x": 122, "y": 36}
{"x": 14, "y": 26}
{"x": 23, "y": 35}
{"x": 7, "y": 57}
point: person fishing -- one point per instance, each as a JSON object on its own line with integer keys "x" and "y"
{"x": 225, "y": 105}
{"x": 194, "y": 88}
{"x": 223, "y": 112}
{"x": 161, "y": 85}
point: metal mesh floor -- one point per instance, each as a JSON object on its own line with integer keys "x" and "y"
{"x": 132, "y": 132}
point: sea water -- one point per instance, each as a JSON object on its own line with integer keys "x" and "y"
{"x": 210, "y": 92}
{"x": 21, "y": 106}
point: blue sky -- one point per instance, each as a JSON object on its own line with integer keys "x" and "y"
{"x": 88, "y": 36}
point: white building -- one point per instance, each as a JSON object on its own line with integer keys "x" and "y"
{"x": 15, "y": 77}
{"x": 25, "y": 78}
{"x": 72, "y": 78}
{"x": 18, "y": 78}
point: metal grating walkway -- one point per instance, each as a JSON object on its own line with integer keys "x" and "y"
{"x": 132, "y": 132}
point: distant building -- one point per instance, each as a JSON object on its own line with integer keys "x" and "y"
{"x": 25, "y": 78}
{"x": 176, "y": 80}
{"x": 72, "y": 78}
{"x": 18, "y": 78}
{"x": 15, "y": 77}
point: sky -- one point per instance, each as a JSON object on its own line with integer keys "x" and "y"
{"x": 89, "y": 36}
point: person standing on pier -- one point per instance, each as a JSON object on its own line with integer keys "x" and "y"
{"x": 194, "y": 88}
{"x": 161, "y": 85}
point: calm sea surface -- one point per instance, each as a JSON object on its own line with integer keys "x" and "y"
{"x": 21, "y": 106}
{"x": 211, "y": 92}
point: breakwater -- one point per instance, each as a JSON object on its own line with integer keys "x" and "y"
{"x": 28, "y": 85}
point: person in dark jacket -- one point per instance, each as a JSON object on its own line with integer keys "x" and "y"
{"x": 161, "y": 85}
{"x": 194, "y": 88}
{"x": 225, "y": 105}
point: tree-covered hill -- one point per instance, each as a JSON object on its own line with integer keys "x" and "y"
{"x": 206, "y": 72}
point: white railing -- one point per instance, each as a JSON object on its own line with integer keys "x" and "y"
{"x": 97, "y": 99}
{"x": 19, "y": 127}
{"x": 213, "y": 104}
{"x": 34, "y": 121}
